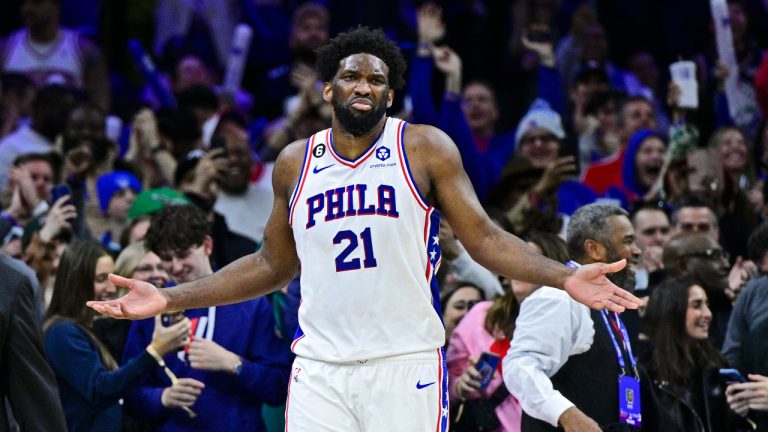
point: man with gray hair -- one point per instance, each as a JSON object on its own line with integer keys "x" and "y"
{"x": 550, "y": 377}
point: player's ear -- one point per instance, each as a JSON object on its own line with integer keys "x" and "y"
{"x": 390, "y": 98}
{"x": 327, "y": 92}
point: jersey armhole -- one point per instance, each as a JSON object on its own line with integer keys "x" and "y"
{"x": 302, "y": 177}
{"x": 406, "y": 168}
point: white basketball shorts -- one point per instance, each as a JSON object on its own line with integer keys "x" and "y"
{"x": 400, "y": 393}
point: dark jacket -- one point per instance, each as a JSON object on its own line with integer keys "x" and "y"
{"x": 701, "y": 408}
{"x": 26, "y": 380}
{"x": 89, "y": 392}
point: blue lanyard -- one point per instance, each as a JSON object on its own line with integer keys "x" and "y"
{"x": 625, "y": 342}
{"x": 624, "y": 335}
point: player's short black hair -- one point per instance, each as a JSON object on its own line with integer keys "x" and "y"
{"x": 175, "y": 229}
{"x": 362, "y": 40}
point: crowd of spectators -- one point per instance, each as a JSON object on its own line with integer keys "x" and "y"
{"x": 570, "y": 130}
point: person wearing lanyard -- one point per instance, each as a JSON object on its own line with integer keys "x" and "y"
{"x": 585, "y": 378}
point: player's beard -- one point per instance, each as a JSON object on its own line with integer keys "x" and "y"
{"x": 358, "y": 123}
{"x": 624, "y": 278}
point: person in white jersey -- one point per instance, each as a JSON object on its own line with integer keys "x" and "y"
{"x": 49, "y": 54}
{"x": 357, "y": 205}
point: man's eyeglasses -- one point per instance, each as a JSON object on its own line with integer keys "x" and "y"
{"x": 712, "y": 254}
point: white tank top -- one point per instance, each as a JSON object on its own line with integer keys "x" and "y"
{"x": 57, "y": 62}
{"x": 369, "y": 251}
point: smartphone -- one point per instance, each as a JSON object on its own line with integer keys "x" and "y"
{"x": 486, "y": 365}
{"x": 731, "y": 376}
{"x": 219, "y": 142}
{"x": 683, "y": 74}
{"x": 171, "y": 318}
{"x": 59, "y": 191}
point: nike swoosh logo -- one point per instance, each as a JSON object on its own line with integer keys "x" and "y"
{"x": 317, "y": 170}
{"x": 420, "y": 386}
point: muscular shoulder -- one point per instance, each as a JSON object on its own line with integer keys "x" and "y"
{"x": 287, "y": 167}
{"x": 431, "y": 153}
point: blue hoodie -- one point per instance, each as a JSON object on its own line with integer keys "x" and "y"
{"x": 630, "y": 190}
{"x": 227, "y": 403}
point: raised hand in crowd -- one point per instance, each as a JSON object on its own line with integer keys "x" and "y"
{"x": 148, "y": 150}
{"x": 556, "y": 172}
{"x": 430, "y": 26}
{"x": 78, "y": 162}
{"x": 22, "y": 179}
{"x": 469, "y": 381}
{"x": 58, "y": 219}
{"x": 543, "y": 49}
{"x": 741, "y": 272}
{"x": 652, "y": 258}
{"x": 752, "y": 395}
{"x": 207, "y": 176}
{"x": 449, "y": 63}
{"x": 207, "y": 355}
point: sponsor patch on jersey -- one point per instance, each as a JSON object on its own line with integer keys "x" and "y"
{"x": 382, "y": 153}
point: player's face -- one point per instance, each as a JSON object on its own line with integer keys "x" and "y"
{"x": 359, "y": 93}
{"x": 698, "y": 316}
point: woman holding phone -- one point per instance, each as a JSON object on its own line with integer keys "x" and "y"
{"x": 681, "y": 390}
{"x": 479, "y": 398}
{"x": 90, "y": 381}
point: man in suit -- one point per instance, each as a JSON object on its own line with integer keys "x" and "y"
{"x": 26, "y": 380}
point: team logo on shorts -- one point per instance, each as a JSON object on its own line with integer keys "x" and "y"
{"x": 319, "y": 150}
{"x": 382, "y": 153}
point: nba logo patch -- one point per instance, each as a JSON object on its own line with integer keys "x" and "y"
{"x": 382, "y": 153}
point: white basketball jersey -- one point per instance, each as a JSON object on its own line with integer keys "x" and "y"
{"x": 368, "y": 245}
{"x": 58, "y": 62}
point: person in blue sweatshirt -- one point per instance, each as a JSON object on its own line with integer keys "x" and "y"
{"x": 90, "y": 383}
{"x": 234, "y": 349}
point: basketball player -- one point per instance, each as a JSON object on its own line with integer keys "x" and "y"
{"x": 357, "y": 205}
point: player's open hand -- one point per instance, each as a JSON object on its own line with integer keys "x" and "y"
{"x": 143, "y": 300}
{"x": 588, "y": 285}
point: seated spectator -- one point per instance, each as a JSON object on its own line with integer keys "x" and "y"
{"x": 640, "y": 169}
{"x": 488, "y": 327}
{"x": 50, "y": 110}
{"x": 699, "y": 257}
{"x": 16, "y": 98}
{"x": 235, "y": 352}
{"x": 46, "y": 246}
{"x": 635, "y": 113}
{"x": 456, "y": 300}
{"x": 117, "y": 190}
{"x": 199, "y": 176}
{"x": 134, "y": 262}
{"x": 682, "y": 390}
{"x": 50, "y": 54}
{"x": 90, "y": 382}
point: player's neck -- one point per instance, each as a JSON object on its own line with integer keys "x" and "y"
{"x": 350, "y": 146}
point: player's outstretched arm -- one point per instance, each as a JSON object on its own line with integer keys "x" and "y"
{"x": 254, "y": 275}
{"x": 439, "y": 161}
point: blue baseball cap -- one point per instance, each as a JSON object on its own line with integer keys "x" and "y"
{"x": 109, "y": 184}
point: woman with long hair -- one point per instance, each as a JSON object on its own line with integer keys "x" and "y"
{"x": 682, "y": 391}
{"x": 90, "y": 382}
{"x": 488, "y": 327}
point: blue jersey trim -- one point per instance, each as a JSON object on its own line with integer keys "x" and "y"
{"x": 408, "y": 165}
{"x": 364, "y": 154}
{"x": 301, "y": 175}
